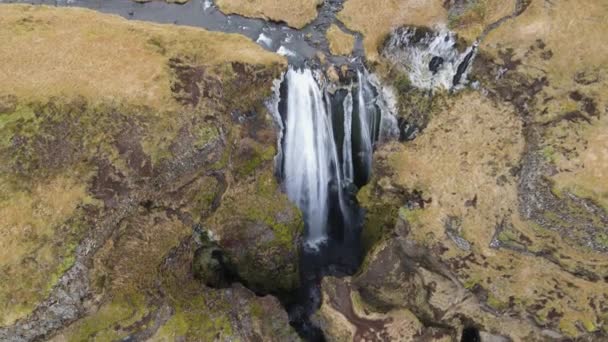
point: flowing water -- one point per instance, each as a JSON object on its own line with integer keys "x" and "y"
{"x": 311, "y": 161}
{"x": 297, "y": 45}
{"x": 327, "y": 136}
{"x": 432, "y": 59}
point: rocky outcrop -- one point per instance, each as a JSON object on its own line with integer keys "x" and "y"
{"x": 375, "y": 20}
{"x": 491, "y": 222}
{"x": 116, "y": 160}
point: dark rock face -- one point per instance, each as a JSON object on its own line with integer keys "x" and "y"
{"x": 392, "y": 266}
{"x": 435, "y": 64}
{"x": 211, "y": 266}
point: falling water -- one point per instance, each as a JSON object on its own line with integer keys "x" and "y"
{"x": 315, "y": 168}
{"x": 347, "y": 147}
{"x": 327, "y": 134}
{"x": 308, "y": 160}
{"x": 366, "y": 134}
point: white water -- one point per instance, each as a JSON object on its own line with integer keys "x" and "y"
{"x": 264, "y": 39}
{"x": 207, "y": 5}
{"x": 311, "y": 167}
{"x": 308, "y": 161}
{"x": 365, "y": 123}
{"x": 283, "y": 51}
{"x": 347, "y": 146}
{"x": 417, "y": 55}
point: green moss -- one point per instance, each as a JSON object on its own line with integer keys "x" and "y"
{"x": 260, "y": 156}
{"x": 204, "y": 135}
{"x": 510, "y": 238}
{"x": 507, "y": 236}
{"x": 409, "y": 215}
{"x": 402, "y": 83}
{"x": 541, "y": 317}
{"x": 270, "y": 202}
{"x": 111, "y": 320}
{"x": 21, "y": 120}
{"x": 378, "y": 221}
{"x": 68, "y": 261}
{"x": 602, "y": 239}
{"x": 261, "y": 208}
{"x": 256, "y": 310}
{"x": 589, "y": 326}
{"x": 568, "y": 328}
{"x": 470, "y": 283}
{"x": 195, "y": 322}
{"x": 549, "y": 154}
{"x": 496, "y": 303}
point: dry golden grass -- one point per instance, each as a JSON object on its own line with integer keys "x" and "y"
{"x": 456, "y": 164}
{"x": 30, "y": 252}
{"x": 49, "y": 51}
{"x": 464, "y": 150}
{"x": 376, "y": 19}
{"x": 296, "y": 13}
{"x": 478, "y": 15}
{"x": 572, "y": 32}
{"x": 340, "y": 42}
{"x": 65, "y": 53}
{"x": 587, "y": 174}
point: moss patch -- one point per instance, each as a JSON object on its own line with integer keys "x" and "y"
{"x": 41, "y": 225}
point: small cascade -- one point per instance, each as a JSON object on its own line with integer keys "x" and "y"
{"x": 347, "y": 147}
{"x": 365, "y": 128}
{"x": 431, "y": 59}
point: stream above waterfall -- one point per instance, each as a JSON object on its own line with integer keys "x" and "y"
{"x": 298, "y": 45}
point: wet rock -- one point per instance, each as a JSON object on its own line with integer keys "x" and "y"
{"x": 401, "y": 285}
{"x": 210, "y": 265}
{"x": 435, "y": 64}
{"x": 452, "y": 229}
{"x": 407, "y": 131}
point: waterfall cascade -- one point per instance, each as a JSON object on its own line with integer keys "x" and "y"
{"x": 310, "y": 159}
{"x": 327, "y": 139}
{"x": 431, "y": 58}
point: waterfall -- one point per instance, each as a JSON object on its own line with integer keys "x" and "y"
{"x": 316, "y": 170}
{"x": 431, "y": 58}
{"x": 347, "y": 147}
{"x": 365, "y": 132}
{"x": 308, "y": 161}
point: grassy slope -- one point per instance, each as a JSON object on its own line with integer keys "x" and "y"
{"x": 376, "y": 19}
{"x": 296, "y": 13}
{"x": 71, "y": 81}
